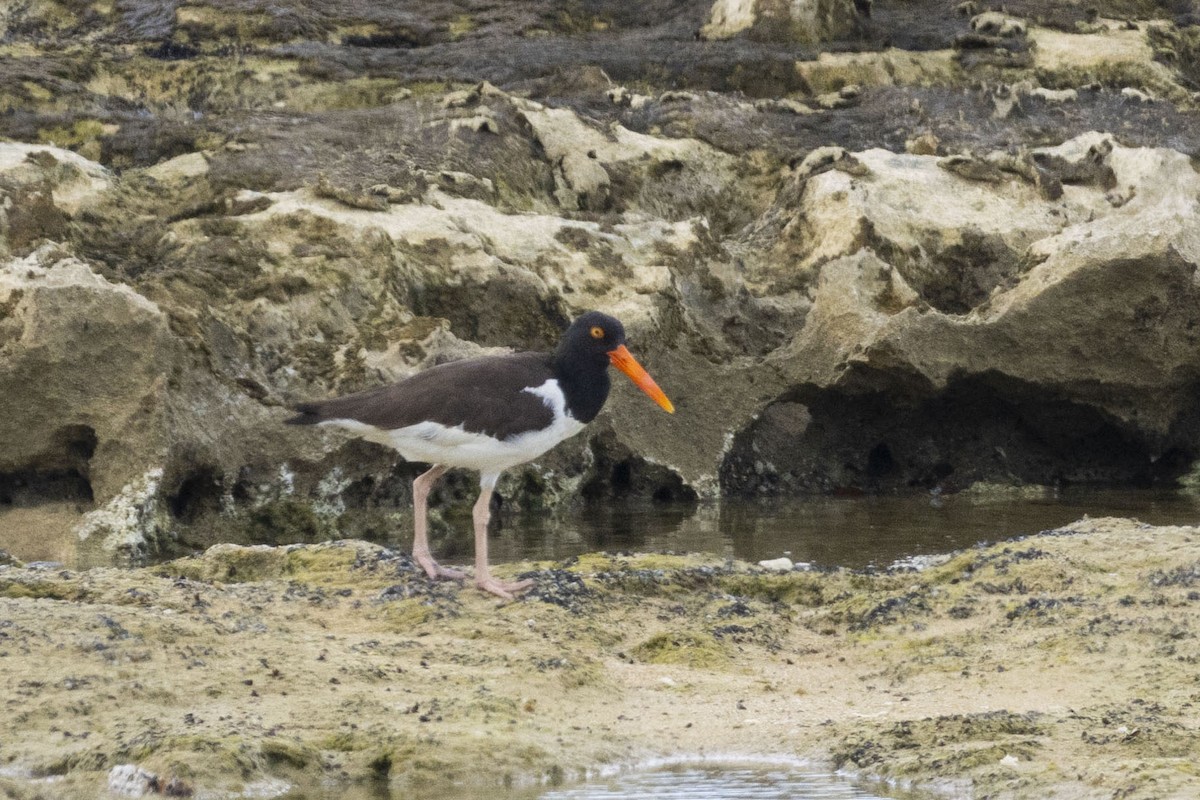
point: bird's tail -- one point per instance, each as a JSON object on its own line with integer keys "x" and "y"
{"x": 310, "y": 414}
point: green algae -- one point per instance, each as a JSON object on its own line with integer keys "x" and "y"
{"x": 698, "y": 650}
{"x": 795, "y": 588}
{"x": 426, "y": 682}
{"x": 461, "y": 25}
{"x": 279, "y": 751}
{"x": 949, "y": 745}
{"x": 407, "y": 614}
{"x": 83, "y": 137}
{"x": 34, "y": 587}
{"x": 328, "y": 563}
{"x": 289, "y": 519}
{"x": 228, "y": 563}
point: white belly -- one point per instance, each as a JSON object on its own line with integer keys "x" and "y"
{"x": 434, "y": 443}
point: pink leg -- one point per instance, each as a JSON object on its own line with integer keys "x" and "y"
{"x": 421, "y": 487}
{"x": 481, "y": 514}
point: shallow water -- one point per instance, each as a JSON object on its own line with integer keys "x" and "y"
{"x": 717, "y": 783}
{"x": 768, "y": 779}
{"x": 825, "y": 531}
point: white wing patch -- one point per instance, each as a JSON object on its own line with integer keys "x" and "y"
{"x": 434, "y": 443}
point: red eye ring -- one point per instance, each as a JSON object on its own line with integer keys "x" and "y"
{"x": 597, "y": 332}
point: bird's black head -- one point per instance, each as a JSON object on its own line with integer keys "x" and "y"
{"x": 591, "y": 338}
{"x": 593, "y": 342}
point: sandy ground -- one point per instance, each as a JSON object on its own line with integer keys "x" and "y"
{"x": 1065, "y": 665}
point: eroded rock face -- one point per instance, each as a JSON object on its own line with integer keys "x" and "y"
{"x": 85, "y": 364}
{"x": 893, "y": 256}
{"x": 1015, "y": 380}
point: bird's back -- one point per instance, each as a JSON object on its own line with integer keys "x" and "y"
{"x": 481, "y": 395}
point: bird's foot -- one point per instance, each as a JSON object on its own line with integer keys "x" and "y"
{"x": 506, "y": 589}
{"x": 437, "y": 572}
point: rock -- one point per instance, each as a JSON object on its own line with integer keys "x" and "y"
{"x": 824, "y": 158}
{"x": 831, "y": 71}
{"x": 971, "y": 168}
{"x": 1129, "y": 93}
{"x": 678, "y": 97}
{"x": 783, "y": 564}
{"x": 1055, "y": 95}
{"x": 72, "y": 179}
{"x": 866, "y": 321}
{"x": 85, "y": 362}
{"x": 369, "y": 196}
{"x": 186, "y": 167}
{"x": 899, "y": 207}
{"x": 130, "y": 780}
{"x": 621, "y": 96}
{"x": 804, "y": 21}
{"x": 479, "y": 123}
{"x": 41, "y": 190}
{"x": 1112, "y": 55}
{"x": 573, "y": 148}
{"x": 924, "y": 145}
{"x": 875, "y": 245}
{"x": 464, "y": 184}
{"x": 583, "y": 156}
{"x": 790, "y": 106}
{"x": 994, "y": 23}
{"x": 129, "y": 528}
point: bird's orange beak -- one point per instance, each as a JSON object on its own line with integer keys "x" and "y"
{"x": 623, "y": 360}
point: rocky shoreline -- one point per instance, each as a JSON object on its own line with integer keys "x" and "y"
{"x": 866, "y": 247}
{"x": 1058, "y": 665}
{"x": 907, "y": 245}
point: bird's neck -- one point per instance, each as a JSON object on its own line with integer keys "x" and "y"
{"x": 585, "y": 385}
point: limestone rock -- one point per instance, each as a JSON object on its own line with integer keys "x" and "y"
{"x": 926, "y": 221}
{"x": 1055, "y": 95}
{"x": 994, "y": 23}
{"x": 1112, "y": 54}
{"x": 130, "y": 780}
{"x": 41, "y": 189}
{"x": 584, "y": 156}
{"x": 74, "y": 180}
{"x": 573, "y": 148}
{"x": 793, "y": 20}
{"x": 186, "y": 167}
{"x": 1094, "y": 306}
{"x": 831, "y": 71}
{"x": 85, "y": 363}
{"x": 379, "y": 190}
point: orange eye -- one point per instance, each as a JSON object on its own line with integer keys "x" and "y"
{"x": 597, "y": 332}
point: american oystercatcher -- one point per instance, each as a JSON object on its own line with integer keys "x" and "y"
{"x": 488, "y": 414}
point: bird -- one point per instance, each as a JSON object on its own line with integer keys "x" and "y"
{"x": 487, "y": 414}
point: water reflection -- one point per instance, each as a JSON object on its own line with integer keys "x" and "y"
{"x": 784, "y": 780}
{"x": 827, "y": 531}
{"x": 718, "y": 783}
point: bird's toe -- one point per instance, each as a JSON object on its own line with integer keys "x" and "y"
{"x": 506, "y": 589}
{"x": 437, "y": 572}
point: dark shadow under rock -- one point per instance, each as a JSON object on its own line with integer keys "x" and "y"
{"x": 984, "y": 428}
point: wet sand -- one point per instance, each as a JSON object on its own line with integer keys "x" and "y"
{"x": 1062, "y": 665}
